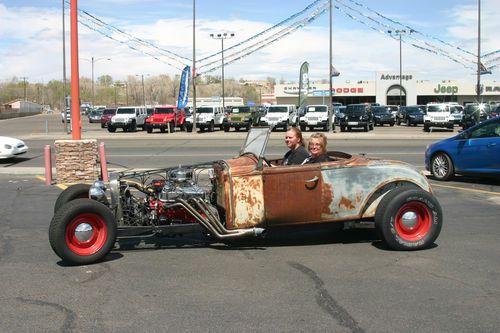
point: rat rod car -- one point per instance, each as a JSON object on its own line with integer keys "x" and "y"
{"x": 245, "y": 196}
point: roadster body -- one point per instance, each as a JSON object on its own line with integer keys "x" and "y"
{"x": 244, "y": 196}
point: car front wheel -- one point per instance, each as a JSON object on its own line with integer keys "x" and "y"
{"x": 82, "y": 232}
{"x": 409, "y": 219}
{"x": 442, "y": 167}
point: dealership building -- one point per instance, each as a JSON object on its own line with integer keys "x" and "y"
{"x": 386, "y": 89}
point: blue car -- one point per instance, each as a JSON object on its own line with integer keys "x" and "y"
{"x": 475, "y": 151}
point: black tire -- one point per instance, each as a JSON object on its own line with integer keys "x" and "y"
{"x": 189, "y": 128}
{"x": 97, "y": 243}
{"x": 424, "y": 219}
{"x": 133, "y": 127}
{"x": 226, "y": 128}
{"x": 342, "y": 128}
{"x": 442, "y": 167}
{"x": 426, "y": 128}
{"x": 303, "y": 128}
{"x": 111, "y": 128}
{"x": 102, "y": 125}
{"x": 211, "y": 127}
{"x": 162, "y": 129}
{"x": 398, "y": 122}
{"x": 149, "y": 129}
{"x": 370, "y": 127}
{"x": 77, "y": 191}
{"x": 182, "y": 127}
{"x": 366, "y": 128}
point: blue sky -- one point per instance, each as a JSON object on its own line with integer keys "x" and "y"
{"x": 30, "y": 38}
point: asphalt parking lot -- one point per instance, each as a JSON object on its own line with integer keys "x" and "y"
{"x": 296, "y": 280}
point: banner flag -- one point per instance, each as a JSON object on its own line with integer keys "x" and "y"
{"x": 184, "y": 88}
{"x": 335, "y": 72}
{"x": 483, "y": 69}
{"x": 303, "y": 83}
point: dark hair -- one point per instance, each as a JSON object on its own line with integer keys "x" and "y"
{"x": 298, "y": 134}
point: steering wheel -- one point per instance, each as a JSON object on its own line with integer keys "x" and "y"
{"x": 266, "y": 161}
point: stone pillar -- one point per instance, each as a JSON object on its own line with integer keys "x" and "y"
{"x": 76, "y": 161}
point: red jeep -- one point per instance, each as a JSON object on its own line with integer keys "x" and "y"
{"x": 166, "y": 116}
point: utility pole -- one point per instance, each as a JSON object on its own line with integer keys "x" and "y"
{"x": 24, "y": 86}
{"x": 194, "y": 66}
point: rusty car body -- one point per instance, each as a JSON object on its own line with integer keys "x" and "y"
{"x": 245, "y": 196}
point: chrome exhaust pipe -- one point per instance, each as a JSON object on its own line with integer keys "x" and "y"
{"x": 213, "y": 225}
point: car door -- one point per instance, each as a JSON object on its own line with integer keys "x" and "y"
{"x": 481, "y": 151}
{"x": 292, "y": 194}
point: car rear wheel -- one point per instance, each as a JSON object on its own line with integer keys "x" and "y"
{"x": 408, "y": 219}
{"x": 442, "y": 167}
{"x": 82, "y": 232}
{"x": 76, "y": 191}
{"x": 111, "y": 128}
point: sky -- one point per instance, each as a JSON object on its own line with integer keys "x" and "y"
{"x": 31, "y": 39}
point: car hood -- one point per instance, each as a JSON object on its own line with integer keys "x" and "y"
{"x": 10, "y": 141}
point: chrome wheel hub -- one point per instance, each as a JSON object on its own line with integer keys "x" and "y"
{"x": 409, "y": 219}
{"x": 83, "y": 232}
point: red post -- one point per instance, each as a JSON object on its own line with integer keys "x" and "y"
{"x": 104, "y": 166}
{"x": 75, "y": 74}
{"x": 48, "y": 165}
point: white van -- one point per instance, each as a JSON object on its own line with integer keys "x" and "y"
{"x": 280, "y": 116}
{"x": 209, "y": 117}
{"x": 128, "y": 118}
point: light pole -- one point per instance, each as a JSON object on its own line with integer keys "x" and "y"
{"x": 400, "y": 33}
{"x": 222, "y": 36}
{"x": 143, "y": 90}
{"x": 93, "y": 61}
{"x": 478, "y": 87}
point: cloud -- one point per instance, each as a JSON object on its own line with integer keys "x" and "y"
{"x": 31, "y": 45}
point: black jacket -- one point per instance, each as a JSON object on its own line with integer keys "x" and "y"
{"x": 295, "y": 156}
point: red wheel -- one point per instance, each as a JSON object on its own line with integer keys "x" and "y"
{"x": 408, "y": 218}
{"x": 86, "y": 234}
{"x": 413, "y": 221}
{"x": 82, "y": 231}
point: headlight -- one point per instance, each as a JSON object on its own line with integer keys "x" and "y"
{"x": 98, "y": 191}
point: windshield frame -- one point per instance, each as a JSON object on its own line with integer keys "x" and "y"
{"x": 256, "y": 141}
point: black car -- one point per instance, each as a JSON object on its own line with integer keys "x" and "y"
{"x": 356, "y": 115}
{"x": 410, "y": 115}
{"x": 475, "y": 113}
{"x": 382, "y": 116}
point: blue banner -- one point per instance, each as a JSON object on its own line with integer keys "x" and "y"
{"x": 184, "y": 88}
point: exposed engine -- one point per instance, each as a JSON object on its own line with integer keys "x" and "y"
{"x": 156, "y": 203}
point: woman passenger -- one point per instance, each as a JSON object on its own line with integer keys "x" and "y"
{"x": 317, "y": 148}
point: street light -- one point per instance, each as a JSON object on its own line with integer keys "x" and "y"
{"x": 222, "y": 36}
{"x": 93, "y": 61}
{"x": 400, "y": 33}
{"x": 143, "y": 90}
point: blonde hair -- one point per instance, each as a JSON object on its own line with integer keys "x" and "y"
{"x": 322, "y": 140}
{"x": 298, "y": 134}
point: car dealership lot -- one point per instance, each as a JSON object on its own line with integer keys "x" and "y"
{"x": 311, "y": 280}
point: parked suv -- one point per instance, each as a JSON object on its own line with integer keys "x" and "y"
{"x": 239, "y": 117}
{"x": 128, "y": 118}
{"x": 475, "y": 113}
{"x": 165, "y": 117}
{"x": 356, "y": 115}
{"x": 382, "y": 116}
{"x": 438, "y": 115}
{"x": 279, "y": 116}
{"x": 107, "y": 114}
{"x": 316, "y": 116}
{"x": 209, "y": 117}
{"x": 410, "y": 115}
